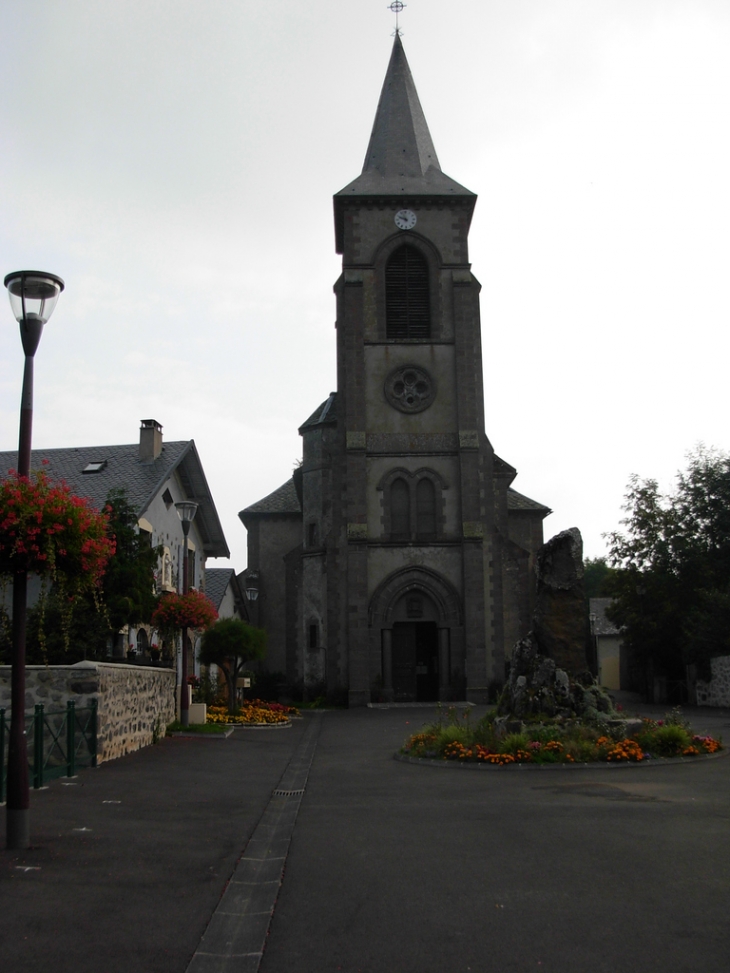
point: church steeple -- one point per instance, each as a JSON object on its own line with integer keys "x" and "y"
{"x": 401, "y": 159}
{"x": 400, "y": 143}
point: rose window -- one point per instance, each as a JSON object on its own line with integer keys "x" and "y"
{"x": 410, "y": 389}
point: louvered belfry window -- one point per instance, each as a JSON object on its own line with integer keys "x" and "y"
{"x": 407, "y": 311}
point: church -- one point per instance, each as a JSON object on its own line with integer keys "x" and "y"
{"x": 397, "y": 564}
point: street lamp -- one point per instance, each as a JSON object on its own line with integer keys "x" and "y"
{"x": 252, "y": 585}
{"x": 186, "y": 510}
{"x": 33, "y": 295}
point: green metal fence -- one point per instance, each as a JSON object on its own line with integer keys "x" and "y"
{"x": 59, "y": 741}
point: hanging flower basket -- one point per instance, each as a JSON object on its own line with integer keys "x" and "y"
{"x": 175, "y": 611}
{"x": 47, "y": 530}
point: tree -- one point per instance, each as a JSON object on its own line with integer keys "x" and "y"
{"x": 230, "y": 644}
{"x": 129, "y": 582}
{"x": 672, "y": 592}
{"x": 596, "y": 577}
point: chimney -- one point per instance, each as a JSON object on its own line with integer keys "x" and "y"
{"x": 150, "y": 440}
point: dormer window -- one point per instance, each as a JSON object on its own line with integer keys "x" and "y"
{"x": 407, "y": 302}
{"x": 95, "y": 467}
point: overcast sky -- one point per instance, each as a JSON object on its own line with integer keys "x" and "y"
{"x": 174, "y": 162}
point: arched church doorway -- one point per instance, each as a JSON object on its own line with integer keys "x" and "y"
{"x": 417, "y": 637}
{"x": 415, "y": 649}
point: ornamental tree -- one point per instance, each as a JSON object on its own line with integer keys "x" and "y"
{"x": 230, "y": 644}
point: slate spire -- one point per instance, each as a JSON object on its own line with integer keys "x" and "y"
{"x": 400, "y": 142}
{"x": 401, "y": 158}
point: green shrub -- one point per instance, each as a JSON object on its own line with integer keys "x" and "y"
{"x": 665, "y": 741}
{"x": 514, "y": 742}
{"x": 452, "y": 734}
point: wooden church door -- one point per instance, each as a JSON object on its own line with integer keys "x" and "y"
{"x": 415, "y": 661}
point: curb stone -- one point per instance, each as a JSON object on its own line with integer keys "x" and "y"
{"x": 597, "y": 765}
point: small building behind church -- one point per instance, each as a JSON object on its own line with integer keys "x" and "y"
{"x": 398, "y": 562}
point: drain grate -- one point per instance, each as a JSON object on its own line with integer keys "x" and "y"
{"x": 282, "y": 793}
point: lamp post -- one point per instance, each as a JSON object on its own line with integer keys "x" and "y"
{"x": 33, "y": 295}
{"x": 186, "y": 510}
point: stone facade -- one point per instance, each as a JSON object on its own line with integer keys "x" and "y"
{"x": 134, "y": 702}
{"x": 717, "y": 691}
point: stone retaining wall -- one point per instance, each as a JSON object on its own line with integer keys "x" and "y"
{"x": 134, "y": 702}
{"x": 717, "y": 691}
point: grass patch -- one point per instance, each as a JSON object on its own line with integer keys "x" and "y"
{"x": 209, "y": 728}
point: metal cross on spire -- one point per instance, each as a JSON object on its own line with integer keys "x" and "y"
{"x": 397, "y": 7}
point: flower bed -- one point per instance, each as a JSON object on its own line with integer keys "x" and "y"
{"x": 567, "y": 741}
{"x": 253, "y": 713}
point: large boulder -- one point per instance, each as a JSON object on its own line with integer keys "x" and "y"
{"x": 548, "y": 669}
{"x": 560, "y": 622}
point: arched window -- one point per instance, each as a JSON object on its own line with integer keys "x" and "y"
{"x": 425, "y": 509}
{"x": 400, "y": 509}
{"x": 407, "y": 304}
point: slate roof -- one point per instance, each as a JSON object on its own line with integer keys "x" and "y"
{"x": 517, "y": 501}
{"x": 401, "y": 159}
{"x": 601, "y": 625}
{"x": 141, "y": 481}
{"x": 284, "y": 500}
{"x": 326, "y": 412}
{"x": 216, "y": 583}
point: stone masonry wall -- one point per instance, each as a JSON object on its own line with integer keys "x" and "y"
{"x": 132, "y": 700}
{"x": 717, "y": 691}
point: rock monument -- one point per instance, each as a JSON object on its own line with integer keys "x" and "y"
{"x": 549, "y": 670}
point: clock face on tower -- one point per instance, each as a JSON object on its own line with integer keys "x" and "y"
{"x": 405, "y": 219}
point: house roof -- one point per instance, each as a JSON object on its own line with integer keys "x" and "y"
{"x": 122, "y": 470}
{"x": 601, "y": 624}
{"x": 517, "y": 501}
{"x": 401, "y": 159}
{"x": 284, "y": 500}
{"x": 216, "y": 583}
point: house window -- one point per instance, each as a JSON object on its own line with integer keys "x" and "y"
{"x": 425, "y": 509}
{"x": 313, "y": 635}
{"x": 311, "y": 535}
{"x": 407, "y": 303}
{"x": 400, "y": 509}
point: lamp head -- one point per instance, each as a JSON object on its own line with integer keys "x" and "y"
{"x": 186, "y": 510}
{"x": 33, "y": 295}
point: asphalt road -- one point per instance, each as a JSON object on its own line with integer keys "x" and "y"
{"x": 395, "y": 867}
{"x": 391, "y": 867}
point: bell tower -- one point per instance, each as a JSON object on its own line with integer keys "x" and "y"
{"x": 418, "y": 499}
